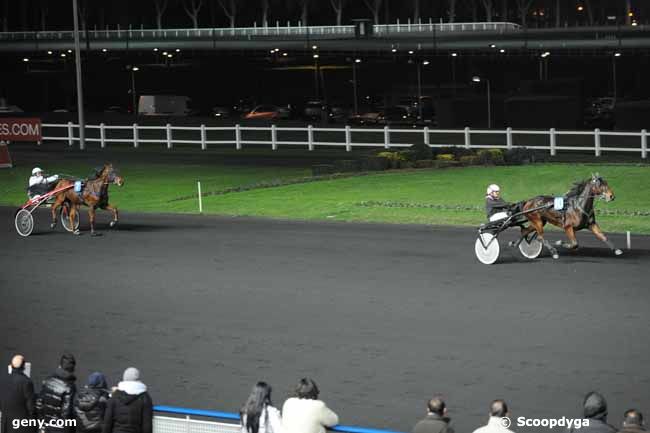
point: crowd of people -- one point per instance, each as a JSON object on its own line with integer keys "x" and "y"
{"x": 128, "y": 408}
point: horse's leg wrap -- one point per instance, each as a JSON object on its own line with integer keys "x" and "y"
{"x": 552, "y": 249}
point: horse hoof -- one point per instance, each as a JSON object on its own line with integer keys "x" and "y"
{"x": 618, "y": 252}
{"x": 95, "y": 234}
{"x": 558, "y": 243}
{"x": 112, "y": 224}
{"x": 556, "y": 256}
{"x": 76, "y": 233}
{"x": 52, "y": 226}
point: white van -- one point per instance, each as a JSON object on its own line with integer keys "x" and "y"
{"x": 159, "y": 105}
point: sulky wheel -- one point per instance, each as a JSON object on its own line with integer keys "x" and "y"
{"x": 65, "y": 219}
{"x": 487, "y": 252}
{"x": 530, "y": 247}
{"x": 24, "y": 222}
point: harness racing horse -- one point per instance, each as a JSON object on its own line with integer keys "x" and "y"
{"x": 578, "y": 213}
{"x": 94, "y": 195}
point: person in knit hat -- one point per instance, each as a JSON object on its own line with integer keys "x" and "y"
{"x": 595, "y": 413}
{"x": 55, "y": 401}
{"x": 90, "y": 404}
{"x": 130, "y": 409}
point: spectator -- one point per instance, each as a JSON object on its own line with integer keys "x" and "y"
{"x": 258, "y": 414}
{"x": 304, "y": 413}
{"x": 90, "y": 404}
{"x": 436, "y": 420}
{"x": 130, "y": 409}
{"x": 595, "y": 410}
{"x": 496, "y": 423}
{"x": 54, "y": 403}
{"x": 16, "y": 397}
{"x": 633, "y": 422}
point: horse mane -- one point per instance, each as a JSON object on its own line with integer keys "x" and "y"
{"x": 577, "y": 188}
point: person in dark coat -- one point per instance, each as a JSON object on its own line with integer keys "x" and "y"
{"x": 633, "y": 422}
{"x": 55, "y": 401}
{"x": 130, "y": 409}
{"x": 90, "y": 404}
{"x": 595, "y": 411}
{"x": 16, "y": 398}
{"x": 436, "y": 420}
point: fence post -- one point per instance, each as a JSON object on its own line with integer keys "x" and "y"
{"x": 468, "y": 141}
{"x": 644, "y": 143}
{"x": 509, "y": 138}
{"x": 135, "y": 135}
{"x": 237, "y": 137}
{"x": 553, "y": 142}
{"x": 348, "y": 138}
{"x": 168, "y": 127}
{"x": 386, "y": 137}
{"x": 102, "y": 136}
{"x": 597, "y": 141}
{"x": 310, "y": 137}
{"x": 204, "y": 145}
{"x": 274, "y": 138}
{"x": 70, "y": 136}
{"x": 426, "y": 136}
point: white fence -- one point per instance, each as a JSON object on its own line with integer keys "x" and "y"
{"x": 391, "y": 137}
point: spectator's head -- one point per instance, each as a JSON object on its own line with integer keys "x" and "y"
{"x": 633, "y": 418}
{"x": 307, "y": 388}
{"x": 437, "y": 405}
{"x": 498, "y": 408}
{"x": 595, "y": 406}
{"x": 259, "y": 398}
{"x": 18, "y": 362}
{"x": 97, "y": 380}
{"x": 67, "y": 362}
{"x": 131, "y": 374}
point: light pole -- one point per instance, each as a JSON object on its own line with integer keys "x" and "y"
{"x": 354, "y": 84}
{"x": 134, "y": 99}
{"x": 478, "y": 79}
{"x": 316, "y": 70}
{"x": 615, "y": 84}
{"x": 80, "y": 96}
{"x": 425, "y": 63}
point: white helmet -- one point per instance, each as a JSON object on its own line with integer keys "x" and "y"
{"x": 36, "y": 170}
{"x": 493, "y": 188}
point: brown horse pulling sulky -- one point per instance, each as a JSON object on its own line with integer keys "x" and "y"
{"x": 94, "y": 195}
{"x": 578, "y": 213}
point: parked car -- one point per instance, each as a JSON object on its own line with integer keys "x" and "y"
{"x": 599, "y": 113}
{"x": 221, "y": 112}
{"x": 397, "y": 115}
{"x": 316, "y": 110}
{"x": 339, "y": 113}
{"x": 6, "y": 108}
{"x": 268, "y": 112}
{"x": 170, "y": 105}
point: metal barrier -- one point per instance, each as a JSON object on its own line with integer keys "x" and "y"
{"x": 164, "y": 424}
{"x": 239, "y": 136}
{"x": 247, "y": 32}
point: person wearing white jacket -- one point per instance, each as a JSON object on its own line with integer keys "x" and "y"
{"x": 258, "y": 414}
{"x": 304, "y": 413}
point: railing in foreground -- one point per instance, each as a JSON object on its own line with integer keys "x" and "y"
{"x": 392, "y": 138}
{"x": 163, "y": 424}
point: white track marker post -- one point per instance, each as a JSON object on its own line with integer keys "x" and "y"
{"x": 629, "y": 241}
{"x": 198, "y": 184}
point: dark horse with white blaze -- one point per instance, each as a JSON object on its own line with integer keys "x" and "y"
{"x": 577, "y": 214}
{"x": 94, "y": 195}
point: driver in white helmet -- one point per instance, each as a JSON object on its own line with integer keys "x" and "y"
{"x": 496, "y": 207}
{"x": 39, "y": 183}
